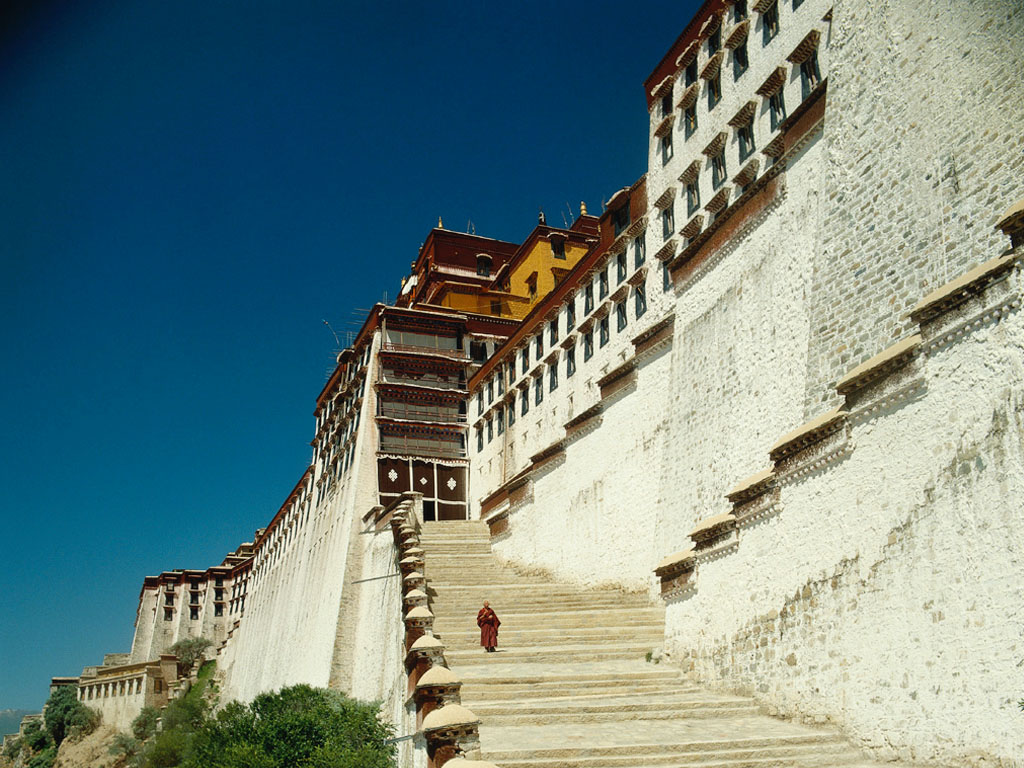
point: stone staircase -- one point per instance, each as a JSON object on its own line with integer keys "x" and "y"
{"x": 569, "y": 686}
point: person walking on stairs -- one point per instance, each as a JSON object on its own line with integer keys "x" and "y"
{"x": 488, "y": 622}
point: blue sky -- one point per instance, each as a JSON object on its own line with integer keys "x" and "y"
{"x": 187, "y": 190}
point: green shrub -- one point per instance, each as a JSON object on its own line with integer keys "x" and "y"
{"x": 125, "y": 745}
{"x": 190, "y": 651}
{"x": 64, "y": 713}
{"x": 36, "y": 737}
{"x": 43, "y": 759}
{"x": 144, "y": 724}
{"x": 12, "y": 748}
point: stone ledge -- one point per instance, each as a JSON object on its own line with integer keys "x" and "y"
{"x": 581, "y": 419}
{"x": 957, "y": 291}
{"x": 605, "y": 382}
{"x": 813, "y": 431}
{"x": 753, "y": 486}
{"x": 676, "y": 563}
{"x": 882, "y": 364}
{"x": 711, "y": 527}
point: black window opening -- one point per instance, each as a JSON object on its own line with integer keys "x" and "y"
{"x": 621, "y": 267}
{"x": 740, "y": 60}
{"x": 668, "y": 222}
{"x": 690, "y": 120}
{"x": 745, "y": 135}
{"x": 588, "y": 345}
{"x": 770, "y": 23}
{"x": 777, "y": 106}
{"x": 714, "y": 91}
{"x": 499, "y": 418}
{"x": 525, "y": 357}
{"x": 490, "y": 430}
{"x": 602, "y": 280}
{"x": 715, "y": 42}
{"x": 588, "y": 299}
{"x": 483, "y": 265}
{"x": 810, "y": 75}
{"x": 524, "y": 403}
{"x": 538, "y": 391}
{"x": 603, "y": 330}
{"x": 553, "y": 377}
{"x": 511, "y": 413}
{"x": 639, "y": 301}
{"x": 666, "y": 154}
{"x": 692, "y": 197}
{"x": 718, "y": 171}
{"x": 666, "y": 277}
{"x": 739, "y": 10}
{"x": 553, "y": 331}
{"x": 558, "y": 247}
{"x": 620, "y": 218}
{"x": 620, "y": 316}
{"x": 691, "y": 73}
{"x": 666, "y": 104}
{"x": 539, "y": 344}
{"x": 570, "y": 361}
{"x": 639, "y": 251}
{"x": 570, "y": 315}
{"x": 479, "y": 439}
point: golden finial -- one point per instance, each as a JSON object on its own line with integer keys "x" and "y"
{"x": 583, "y": 208}
{"x": 440, "y": 224}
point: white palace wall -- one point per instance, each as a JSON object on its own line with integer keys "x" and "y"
{"x": 289, "y": 631}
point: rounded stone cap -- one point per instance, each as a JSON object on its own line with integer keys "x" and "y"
{"x": 419, "y": 612}
{"x": 414, "y": 576}
{"x": 449, "y": 716}
{"x": 438, "y": 675}
{"x": 426, "y": 643}
{"x": 415, "y": 594}
{"x": 413, "y": 551}
{"x": 461, "y": 762}
{"x": 410, "y": 560}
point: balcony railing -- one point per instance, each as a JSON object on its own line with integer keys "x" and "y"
{"x": 458, "y": 354}
{"x": 435, "y": 418}
{"x": 428, "y": 383}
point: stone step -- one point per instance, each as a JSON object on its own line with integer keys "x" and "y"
{"x": 460, "y": 658}
{"x": 578, "y": 636}
{"x": 753, "y": 757}
{"x": 475, "y": 693}
{"x": 611, "y": 700}
{"x": 653, "y": 713}
{"x": 562, "y": 675}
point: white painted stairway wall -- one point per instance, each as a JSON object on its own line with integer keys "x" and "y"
{"x": 570, "y": 686}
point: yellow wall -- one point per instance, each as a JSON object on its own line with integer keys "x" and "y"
{"x": 541, "y": 259}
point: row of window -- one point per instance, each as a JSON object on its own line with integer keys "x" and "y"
{"x": 498, "y": 422}
{"x": 495, "y": 386}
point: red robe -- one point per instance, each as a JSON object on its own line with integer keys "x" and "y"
{"x": 488, "y": 622}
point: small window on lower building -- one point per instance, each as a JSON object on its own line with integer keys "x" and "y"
{"x": 479, "y": 439}
{"x": 552, "y": 377}
{"x": 602, "y": 282}
{"x": 168, "y": 614}
{"x": 570, "y": 361}
{"x": 524, "y": 402}
{"x": 668, "y": 225}
{"x": 588, "y": 299}
{"x": 588, "y": 345}
{"x": 665, "y": 144}
{"x": 490, "y": 430}
{"x": 524, "y": 356}
{"x": 499, "y": 417}
{"x": 558, "y": 247}
{"x": 621, "y": 267}
{"x": 511, "y": 413}
{"x": 603, "y": 330}
{"x": 570, "y": 314}
{"x": 620, "y": 316}
{"x": 539, "y": 344}
{"x": 692, "y": 197}
{"x": 193, "y": 613}
{"x": 169, "y": 599}
{"x": 553, "y": 332}
{"x": 538, "y": 390}
{"x": 218, "y": 609}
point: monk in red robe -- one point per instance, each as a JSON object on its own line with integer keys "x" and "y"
{"x": 488, "y": 622}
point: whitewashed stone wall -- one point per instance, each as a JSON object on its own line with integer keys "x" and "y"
{"x": 289, "y": 631}
{"x": 884, "y": 594}
{"x": 699, "y": 418}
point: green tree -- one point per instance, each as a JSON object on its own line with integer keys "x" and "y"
{"x": 64, "y": 713}
{"x": 36, "y": 737}
{"x": 190, "y": 651}
{"x": 297, "y": 726}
